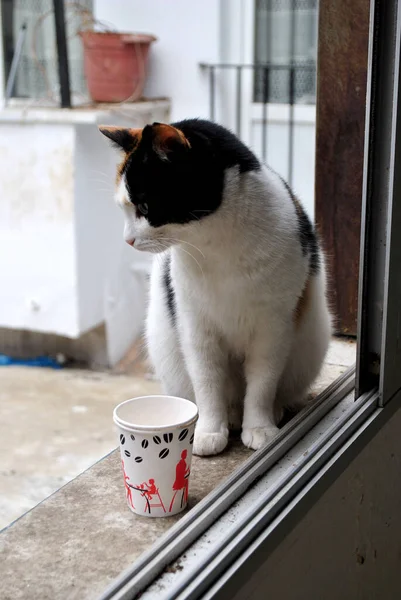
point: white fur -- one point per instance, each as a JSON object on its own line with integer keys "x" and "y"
{"x": 237, "y": 275}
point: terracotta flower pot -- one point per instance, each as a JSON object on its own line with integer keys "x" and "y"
{"x": 115, "y": 64}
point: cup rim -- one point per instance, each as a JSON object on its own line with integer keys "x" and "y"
{"x": 150, "y": 429}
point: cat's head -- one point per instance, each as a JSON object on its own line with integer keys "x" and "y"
{"x": 167, "y": 184}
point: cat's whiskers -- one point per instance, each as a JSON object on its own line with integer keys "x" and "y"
{"x": 203, "y": 212}
{"x": 193, "y": 257}
{"x": 166, "y": 247}
{"x": 105, "y": 180}
{"x": 158, "y": 245}
{"x": 97, "y": 172}
{"x": 186, "y": 252}
{"x": 108, "y": 188}
{"x": 185, "y": 242}
{"x": 97, "y": 181}
{"x": 99, "y": 176}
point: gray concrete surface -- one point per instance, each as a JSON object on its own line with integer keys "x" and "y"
{"x": 55, "y": 424}
{"x": 75, "y": 543}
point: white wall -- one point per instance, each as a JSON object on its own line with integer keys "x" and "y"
{"x": 37, "y": 247}
{"x": 187, "y": 32}
{"x": 278, "y": 146}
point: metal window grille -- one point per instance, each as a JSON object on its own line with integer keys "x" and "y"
{"x": 37, "y": 74}
{"x": 286, "y": 38}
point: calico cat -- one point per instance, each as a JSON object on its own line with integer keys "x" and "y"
{"x": 238, "y": 319}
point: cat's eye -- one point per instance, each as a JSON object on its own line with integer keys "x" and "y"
{"x": 143, "y": 208}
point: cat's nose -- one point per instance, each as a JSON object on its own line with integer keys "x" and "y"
{"x": 130, "y": 241}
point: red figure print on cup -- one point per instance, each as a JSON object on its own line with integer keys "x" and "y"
{"x": 151, "y": 488}
{"x": 127, "y": 488}
{"x": 182, "y": 473}
{"x": 151, "y": 493}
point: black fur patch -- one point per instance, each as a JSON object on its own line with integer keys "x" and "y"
{"x": 226, "y": 148}
{"x": 307, "y": 235}
{"x": 308, "y": 241}
{"x": 169, "y": 290}
{"x": 186, "y": 184}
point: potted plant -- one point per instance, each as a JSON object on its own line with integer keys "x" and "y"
{"x": 115, "y": 64}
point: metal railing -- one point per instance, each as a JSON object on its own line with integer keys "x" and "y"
{"x": 264, "y": 94}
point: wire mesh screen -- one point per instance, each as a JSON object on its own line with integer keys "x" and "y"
{"x": 37, "y": 73}
{"x": 286, "y": 39}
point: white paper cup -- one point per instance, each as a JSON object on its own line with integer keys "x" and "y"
{"x": 156, "y": 436}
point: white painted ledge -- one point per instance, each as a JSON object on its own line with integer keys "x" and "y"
{"x": 29, "y": 113}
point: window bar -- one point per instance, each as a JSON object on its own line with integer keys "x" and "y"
{"x": 62, "y": 54}
{"x": 291, "y": 126}
{"x": 266, "y": 82}
{"x": 291, "y": 94}
{"x": 239, "y": 94}
{"x": 15, "y": 62}
{"x": 266, "y": 75}
{"x": 212, "y": 91}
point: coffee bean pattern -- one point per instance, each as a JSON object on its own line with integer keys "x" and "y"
{"x": 157, "y": 439}
{"x": 183, "y": 434}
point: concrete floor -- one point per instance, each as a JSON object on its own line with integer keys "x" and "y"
{"x": 56, "y": 424}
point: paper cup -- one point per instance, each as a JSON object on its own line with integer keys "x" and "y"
{"x": 156, "y": 436}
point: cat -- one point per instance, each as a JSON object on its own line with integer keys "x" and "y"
{"x": 238, "y": 319}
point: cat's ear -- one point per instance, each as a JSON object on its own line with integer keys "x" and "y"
{"x": 165, "y": 139}
{"x": 122, "y": 138}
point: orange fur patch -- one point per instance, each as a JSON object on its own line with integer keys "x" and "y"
{"x": 303, "y": 303}
{"x": 164, "y": 133}
{"x": 136, "y": 136}
{"x": 121, "y": 167}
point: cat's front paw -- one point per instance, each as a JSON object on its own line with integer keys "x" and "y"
{"x": 257, "y": 437}
{"x": 207, "y": 444}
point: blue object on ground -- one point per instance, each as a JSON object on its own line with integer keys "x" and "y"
{"x": 39, "y": 361}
